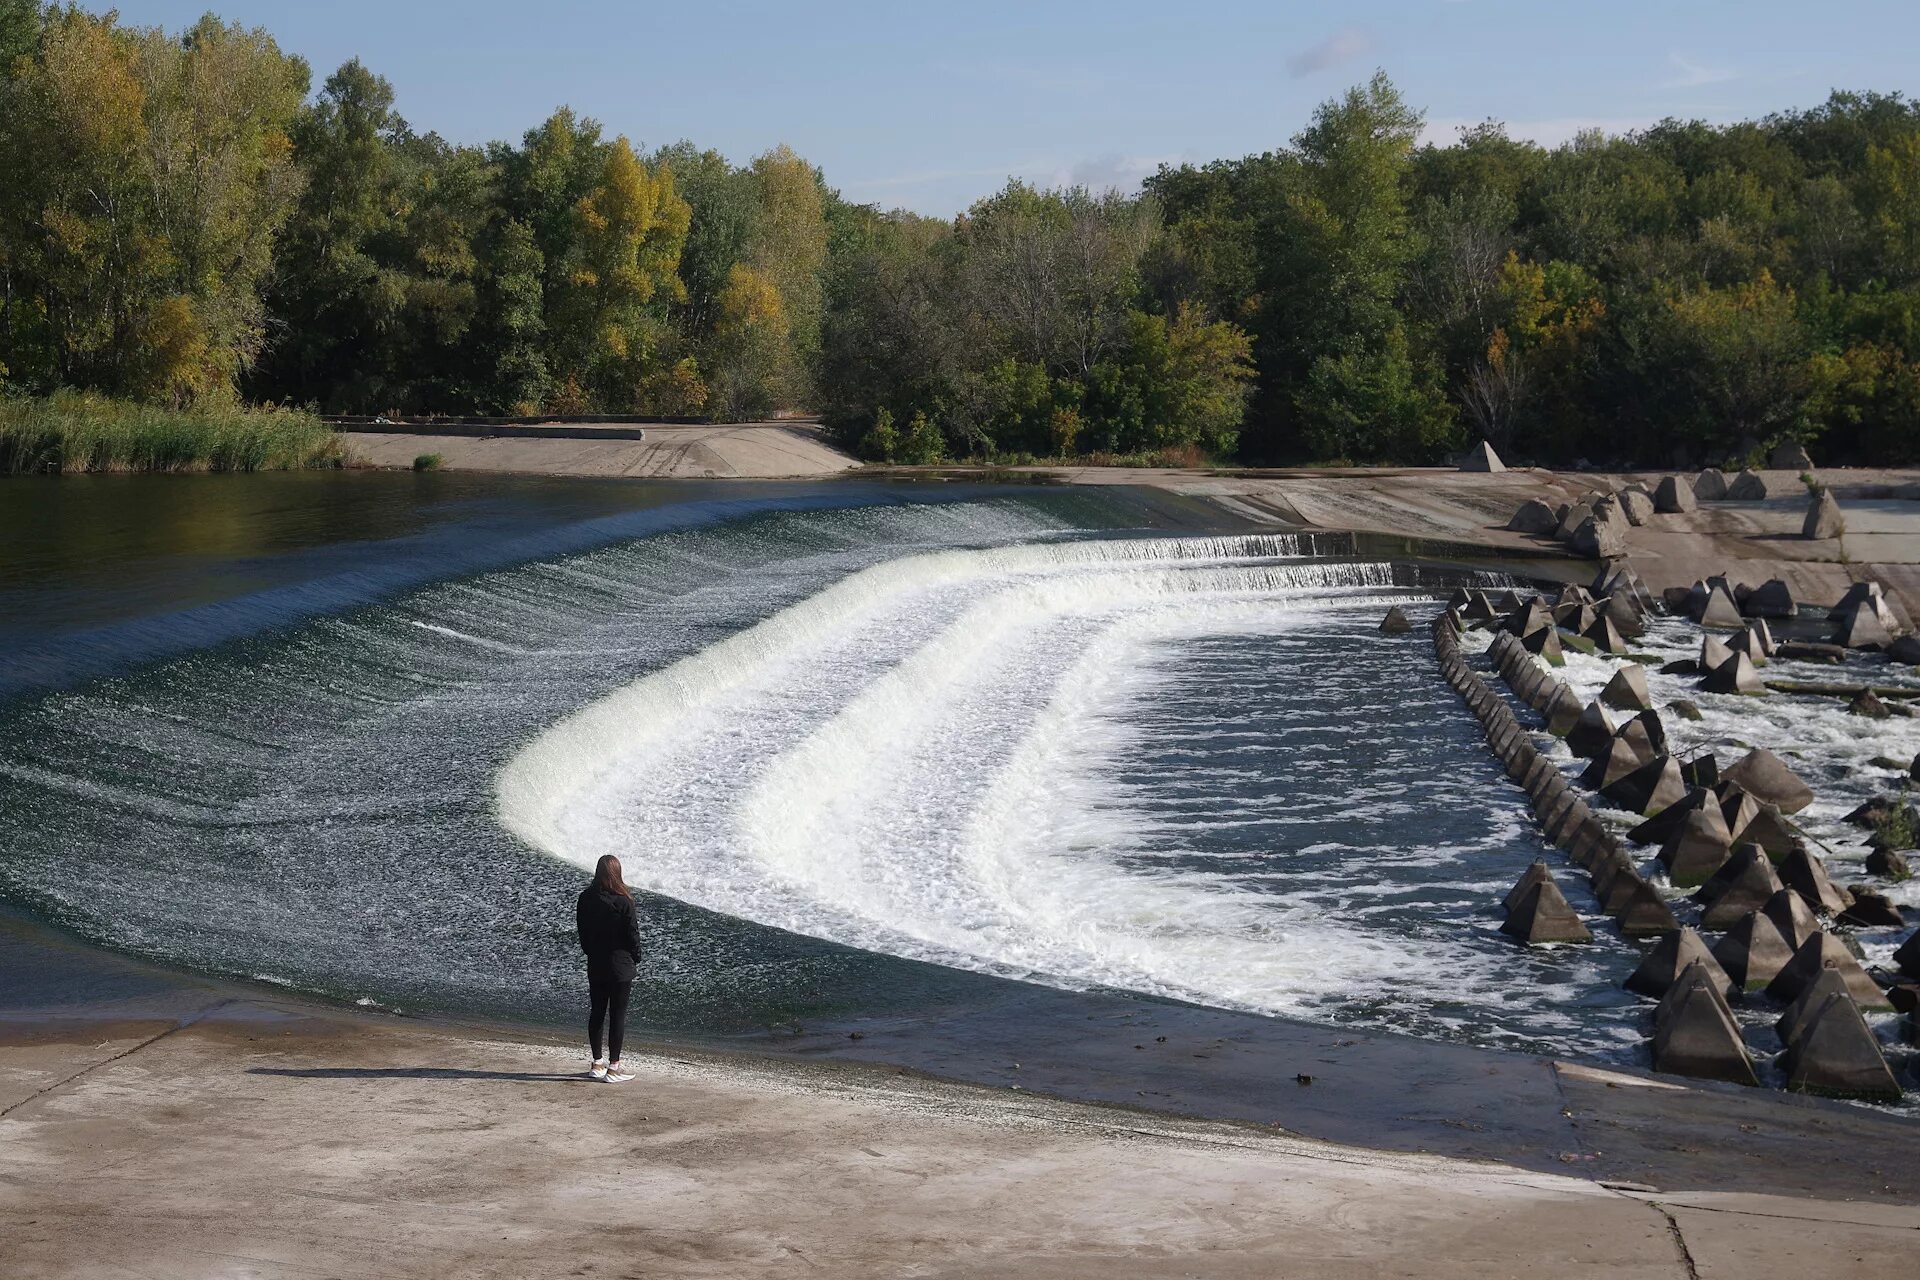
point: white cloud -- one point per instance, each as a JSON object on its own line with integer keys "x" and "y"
{"x": 1692, "y": 75}
{"x": 1343, "y": 45}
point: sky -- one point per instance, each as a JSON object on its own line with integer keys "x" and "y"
{"x": 931, "y": 106}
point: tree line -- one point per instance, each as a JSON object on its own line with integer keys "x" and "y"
{"x": 186, "y": 220}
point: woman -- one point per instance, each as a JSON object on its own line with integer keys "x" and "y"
{"x": 610, "y": 935}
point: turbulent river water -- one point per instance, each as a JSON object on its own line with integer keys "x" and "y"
{"x": 860, "y": 757}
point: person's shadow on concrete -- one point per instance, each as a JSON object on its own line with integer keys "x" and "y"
{"x": 414, "y": 1073}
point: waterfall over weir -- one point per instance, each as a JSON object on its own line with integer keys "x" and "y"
{"x": 857, "y": 758}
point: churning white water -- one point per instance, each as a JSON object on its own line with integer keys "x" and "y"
{"x": 932, "y": 759}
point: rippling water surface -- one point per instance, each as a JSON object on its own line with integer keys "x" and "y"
{"x": 857, "y": 757}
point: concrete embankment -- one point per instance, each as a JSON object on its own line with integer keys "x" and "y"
{"x": 748, "y": 450}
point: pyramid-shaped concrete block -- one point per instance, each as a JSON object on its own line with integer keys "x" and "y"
{"x": 1592, "y": 733}
{"x": 1648, "y": 789}
{"x": 1698, "y": 848}
{"x": 1598, "y": 538}
{"x": 1792, "y": 917}
{"x": 1604, "y": 636}
{"x": 1574, "y": 616}
{"x": 1836, "y": 1055}
{"x": 1613, "y": 764}
{"x": 1803, "y": 872}
{"x": 1396, "y": 623}
{"x": 1561, "y": 708}
{"x": 1771, "y": 599}
{"x": 1644, "y": 914}
{"x": 1625, "y": 615}
{"x": 1636, "y": 504}
{"x": 1740, "y": 888}
{"x": 1738, "y": 808}
{"x": 1658, "y": 828}
{"x": 1869, "y": 593}
{"x": 1710, "y": 485}
{"x": 1718, "y": 608}
{"x": 1669, "y": 958}
{"x": 1747, "y": 487}
{"x": 1770, "y": 830}
{"x": 1695, "y": 1034}
{"x": 1534, "y": 517}
{"x": 1735, "y": 676}
{"x": 1673, "y": 496}
{"x": 1543, "y": 915}
{"x": 1823, "y": 520}
{"x": 1752, "y": 645}
{"x": 1545, "y": 643}
{"x": 1482, "y": 458}
{"x": 1628, "y": 691}
{"x": 1535, "y": 873}
{"x": 1527, "y": 618}
{"x": 1860, "y": 627}
{"x": 1753, "y": 952}
{"x": 1571, "y": 519}
{"x": 1766, "y": 778}
{"x": 1713, "y": 653}
{"x": 1820, "y": 953}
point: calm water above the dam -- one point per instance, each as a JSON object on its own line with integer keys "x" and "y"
{"x": 864, "y": 751}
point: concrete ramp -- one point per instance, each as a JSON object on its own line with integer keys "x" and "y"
{"x": 753, "y": 450}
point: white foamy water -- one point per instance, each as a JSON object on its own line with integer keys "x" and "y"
{"x": 1018, "y": 761}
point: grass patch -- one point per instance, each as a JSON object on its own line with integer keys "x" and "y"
{"x": 428, "y": 462}
{"x": 70, "y": 432}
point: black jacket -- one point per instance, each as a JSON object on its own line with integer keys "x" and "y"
{"x": 609, "y": 930}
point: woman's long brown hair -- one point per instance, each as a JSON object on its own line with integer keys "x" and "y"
{"x": 607, "y": 878}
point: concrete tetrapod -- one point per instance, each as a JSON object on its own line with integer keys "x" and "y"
{"x": 1575, "y": 616}
{"x": 1669, "y": 958}
{"x": 1697, "y": 848}
{"x": 1861, "y": 627}
{"x": 1752, "y": 644}
{"x": 1673, "y": 496}
{"x": 1597, "y": 538}
{"x": 1823, "y": 518}
{"x": 1628, "y": 691}
{"x": 1648, "y": 789}
{"x": 1771, "y": 599}
{"x": 1524, "y": 620}
{"x": 1545, "y": 643}
{"x": 1604, "y": 636}
{"x": 1644, "y": 914}
{"x": 1825, "y": 952}
{"x": 1694, "y": 1033}
{"x": 1713, "y": 653}
{"x": 1869, "y": 593}
{"x": 1836, "y": 1055}
{"x": 1717, "y": 609}
{"x": 1535, "y": 873}
{"x": 1543, "y": 915}
{"x": 1636, "y": 504}
{"x": 1592, "y": 733}
{"x": 1770, "y": 830}
{"x": 1803, "y": 872}
{"x": 1611, "y": 765}
{"x": 1792, "y": 917}
{"x": 1626, "y": 617}
{"x": 1766, "y": 778}
{"x": 1561, "y": 707}
{"x": 1396, "y": 622}
{"x": 1753, "y": 952}
{"x": 1533, "y": 517}
{"x": 1739, "y": 888}
{"x": 1735, "y": 675}
{"x": 1571, "y": 519}
{"x": 1747, "y": 487}
{"x": 1482, "y": 458}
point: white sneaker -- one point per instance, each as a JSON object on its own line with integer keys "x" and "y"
{"x": 617, "y": 1074}
{"x": 598, "y": 1071}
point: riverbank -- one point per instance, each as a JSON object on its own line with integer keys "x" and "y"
{"x": 223, "y": 1131}
{"x": 72, "y": 432}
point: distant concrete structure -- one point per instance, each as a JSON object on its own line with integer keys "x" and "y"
{"x": 1482, "y": 458}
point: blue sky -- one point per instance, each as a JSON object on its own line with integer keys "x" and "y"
{"x": 929, "y": 106}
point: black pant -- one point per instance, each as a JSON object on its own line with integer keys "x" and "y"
{"x": 609, "y": 998}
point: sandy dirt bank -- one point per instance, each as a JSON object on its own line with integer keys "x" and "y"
{"x": 273, "y": 1141}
